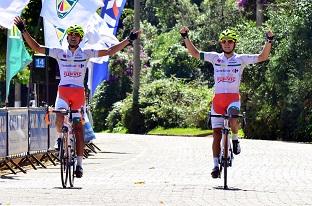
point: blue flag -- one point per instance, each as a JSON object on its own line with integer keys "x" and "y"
{"x": 111, "y": 13}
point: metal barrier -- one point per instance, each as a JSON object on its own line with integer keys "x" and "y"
{"x": 24, "y": 134}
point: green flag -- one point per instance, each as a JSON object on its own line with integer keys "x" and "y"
{"x": 17, "y": 57}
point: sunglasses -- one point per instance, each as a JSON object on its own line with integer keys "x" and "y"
{"x": 74, "y": 34}
{"x": 230, "y": 41}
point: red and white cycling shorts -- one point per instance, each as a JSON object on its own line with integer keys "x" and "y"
{"x": 220, "y": 105}
{"x": 70, "y": 95}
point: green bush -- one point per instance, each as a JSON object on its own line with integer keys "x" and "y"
{"x": 277, "y": 93}
{"x": 167, "y": 103}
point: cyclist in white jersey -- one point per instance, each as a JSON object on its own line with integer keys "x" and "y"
{"x": 72, "y": 63}
{"x": 228, "y": 68}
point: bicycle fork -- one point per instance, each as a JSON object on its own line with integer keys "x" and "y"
{"x": 225, "y": 143}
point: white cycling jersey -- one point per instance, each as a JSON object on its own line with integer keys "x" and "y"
{"x": 228, "y": 72}
{"x": 72, "y": 66}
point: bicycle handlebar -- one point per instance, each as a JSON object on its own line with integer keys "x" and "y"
{"x": 227, "y": 116}
{"x": 65, "y": 111}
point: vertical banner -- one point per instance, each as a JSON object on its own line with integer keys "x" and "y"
{"x": 18, "y": 130}
{"x": 3, "y": 133}
{"x": 17, "y": 57}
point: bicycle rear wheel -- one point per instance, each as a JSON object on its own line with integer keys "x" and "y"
{"x": 63, "y": 162}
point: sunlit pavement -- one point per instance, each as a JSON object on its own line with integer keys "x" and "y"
{"x": 158, "y": 170}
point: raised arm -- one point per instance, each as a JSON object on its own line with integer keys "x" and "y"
{"x": 32, "y": 43}
{"x": 264, "y": 55}
{"x": 116, "y": 48}
{"x": 188, "y": 43}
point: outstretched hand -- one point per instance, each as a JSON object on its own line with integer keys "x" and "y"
{"x": 184, "y": 32}
{"x": 133, "y": 36}
{"x": 18, "y": 21}
{"x": 269, "y": 36}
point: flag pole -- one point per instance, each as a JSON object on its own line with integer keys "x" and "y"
{"x": 7, "y": 86}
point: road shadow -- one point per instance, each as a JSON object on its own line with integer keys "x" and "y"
{"x": 68, "y": 188}
{"x": 113, "y": 152}
{"x": 229, "y": 188}
{"x": 239, "y": 189}
{"x": 9, "y": 177}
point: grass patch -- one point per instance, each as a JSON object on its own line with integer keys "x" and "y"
{"x": 195, "y": 132}
{"x": 180, "y": 132}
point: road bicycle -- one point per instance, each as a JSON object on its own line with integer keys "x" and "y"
{"x": 226, "y": 155}
{"x": 67, "y": 146}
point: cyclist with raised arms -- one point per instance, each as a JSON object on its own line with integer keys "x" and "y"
{"x": 72, "y": 63}
{"x": 228, "y": 68}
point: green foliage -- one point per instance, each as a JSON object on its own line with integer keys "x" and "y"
{"x": 166, "y": 15}
{"x": 113, "y": 90}
{"x": 180, "y": 64}
{"x": 276, "y": 94}
{"x": 167, "y": 103}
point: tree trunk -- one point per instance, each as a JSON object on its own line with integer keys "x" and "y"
{"x": 259, "y": 12}
{"x": 136, "y": 73}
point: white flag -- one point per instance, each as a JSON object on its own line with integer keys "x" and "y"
{"x": 9, "y": 9}
{"x": 99, "y": 36}
{"x": 64, "y": 13}
{"x": 55, "y": 36}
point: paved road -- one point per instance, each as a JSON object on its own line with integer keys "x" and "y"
{"x": 163, "y": 171}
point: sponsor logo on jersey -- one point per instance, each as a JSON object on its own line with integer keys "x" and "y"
{"x": 228, "y": 79}
{"x": 220, "y": 61}
{"x": 72, "y": 74}
{"x": 73, "y": 65}
{"x": 223, "y": 70}
{"x": 232, "y": 62}
{"x": 78, "y": 56}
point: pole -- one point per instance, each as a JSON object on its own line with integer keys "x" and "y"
{"x": 259, "y": 12}
{"x": 137, "y": 62}
{"x": 135, "y": 128}
{"x": 47, "y": 78}
{"x": 17, "y": 99}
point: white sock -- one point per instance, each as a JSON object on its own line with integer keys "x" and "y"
{"x": 234, "y": 136}
{"x": 79, "y": 160}
{"x": 216, "y": 162}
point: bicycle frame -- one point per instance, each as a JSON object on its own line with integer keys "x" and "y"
{"x": 226, "y": 155}
{"x": 67, "y": 152}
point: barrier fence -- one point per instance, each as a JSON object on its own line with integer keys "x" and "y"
{"x": 24, "y": 133}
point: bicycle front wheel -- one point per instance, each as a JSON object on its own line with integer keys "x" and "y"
{"x": 72, "y": 165}
{"x": 64, "y": 163}
{"x": 225, "y": 159}
{"x": 225, "y": 167}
